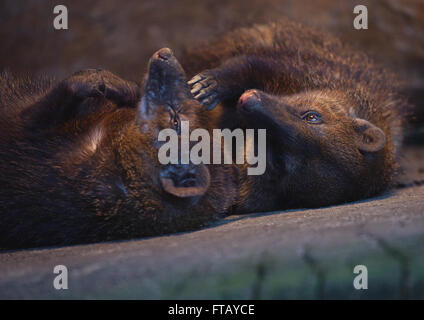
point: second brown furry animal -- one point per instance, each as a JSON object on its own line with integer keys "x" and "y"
{"x": 334, "y": 119}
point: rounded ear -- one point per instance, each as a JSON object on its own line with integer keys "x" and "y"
{"x": 185, "y": 181}
{"x": 369, "y": 137}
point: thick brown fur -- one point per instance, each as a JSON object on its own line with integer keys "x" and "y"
{"x": 295, "y": 70}
{"x": 79, "y": 159}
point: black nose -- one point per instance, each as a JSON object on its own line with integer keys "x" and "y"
{"x": 163, "y": 54}
{"x": 249, "y": 101}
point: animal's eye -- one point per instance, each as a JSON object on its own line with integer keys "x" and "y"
{"x": 174, "y": 119}
{"x": 175, "y": 123}
{"x": 312, "y": 117}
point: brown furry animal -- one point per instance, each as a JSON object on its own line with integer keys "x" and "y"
{"x": 334, "y": 118}
{"x": 79, "y": 160}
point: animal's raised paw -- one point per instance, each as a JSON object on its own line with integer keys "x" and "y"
{"x": 100, "y": 83}
{"x": 204, "y": 88}
{"x": 86, "y": 83}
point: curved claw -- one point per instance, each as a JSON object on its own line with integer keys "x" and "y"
{"x": 97, "y": 91}
{"x": 195, "y": 79}
{"x": 196, "y": 88}
{"x": 204, "y": 93}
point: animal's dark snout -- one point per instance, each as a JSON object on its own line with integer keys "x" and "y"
{"x": 188, "y": 180}
{"x": 185, "y": 180}
{"x": 163, "y": 54}
{"x": 183, "y": 175}
{"x": 249, "y": 101}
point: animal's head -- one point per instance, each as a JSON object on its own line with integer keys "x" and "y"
{"x": 166, "y": 102}
{"x": 325, "y": 153}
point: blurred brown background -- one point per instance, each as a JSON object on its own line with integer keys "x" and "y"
{"x": 121, "y": 35}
